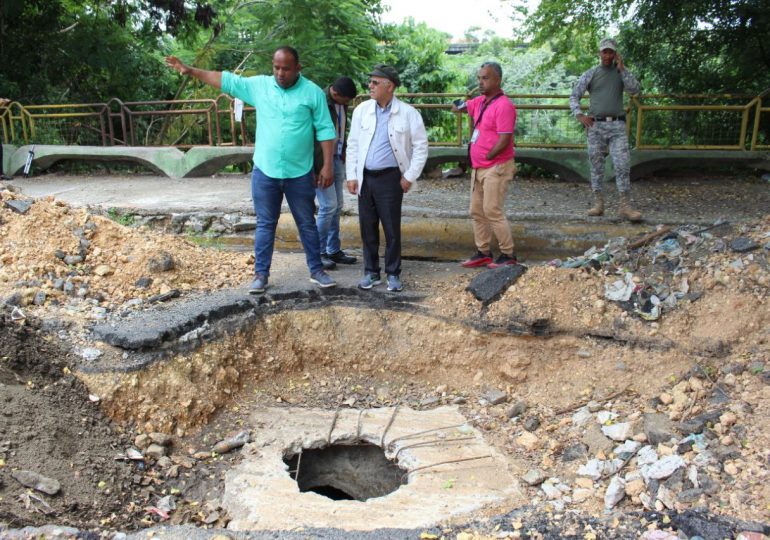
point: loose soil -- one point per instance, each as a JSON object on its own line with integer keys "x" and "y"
{"x": 72, "y": 426}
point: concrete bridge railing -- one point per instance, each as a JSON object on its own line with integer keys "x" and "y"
{"x": 570, "y": 164}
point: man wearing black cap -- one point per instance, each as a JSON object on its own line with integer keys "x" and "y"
{"x": 330, "y": 199}
{"x": 387, "y": 150}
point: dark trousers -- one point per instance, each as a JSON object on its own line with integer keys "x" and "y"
{"x": 380, "y": 202}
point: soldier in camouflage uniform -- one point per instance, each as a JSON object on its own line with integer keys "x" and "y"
{"x": 605, "y": 124}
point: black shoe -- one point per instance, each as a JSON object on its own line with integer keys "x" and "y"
{"x": 342, "y": 258}
{"x": 327, "y": 262}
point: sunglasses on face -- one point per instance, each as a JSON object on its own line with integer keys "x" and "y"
{"x": 372, "y": 82}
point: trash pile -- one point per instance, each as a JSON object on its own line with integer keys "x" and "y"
{"x": 653, "y": 275}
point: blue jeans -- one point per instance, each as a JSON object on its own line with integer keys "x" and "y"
{"x": 330, "y": 203}
{"x": 267, "y": 194}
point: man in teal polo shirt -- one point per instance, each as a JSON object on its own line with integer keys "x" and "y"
{"x": 291, "y": 114}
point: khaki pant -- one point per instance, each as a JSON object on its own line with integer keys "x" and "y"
{"x": 488, "y": 189}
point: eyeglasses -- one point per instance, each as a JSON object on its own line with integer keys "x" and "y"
{"x": 375, "y": 83}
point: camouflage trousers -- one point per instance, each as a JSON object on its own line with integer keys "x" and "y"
{"x": 609, "y": 137}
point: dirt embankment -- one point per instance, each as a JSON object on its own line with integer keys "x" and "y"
{"x": 707, "y": 349}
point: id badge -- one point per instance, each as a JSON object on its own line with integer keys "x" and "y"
{"x": 475, "y": 135}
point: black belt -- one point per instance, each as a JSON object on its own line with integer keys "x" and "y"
{"x": 380, "y": 172}
{"x": 608, "y": 118}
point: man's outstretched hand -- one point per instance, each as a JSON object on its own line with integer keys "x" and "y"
{"x": 175, "y": 63}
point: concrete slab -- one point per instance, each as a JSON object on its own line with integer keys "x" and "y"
{"x": 261, "y": 495}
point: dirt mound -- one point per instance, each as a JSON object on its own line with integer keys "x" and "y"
{"x": 54, "y": 255}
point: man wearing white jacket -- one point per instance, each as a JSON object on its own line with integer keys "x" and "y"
{"x": 387, "y": 150}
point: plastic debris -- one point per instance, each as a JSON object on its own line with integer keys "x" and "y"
{"x": 620, "y": 290}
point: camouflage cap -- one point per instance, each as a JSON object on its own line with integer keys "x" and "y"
{"x": 608, "y": 43}
{"x": 387, "y": 72}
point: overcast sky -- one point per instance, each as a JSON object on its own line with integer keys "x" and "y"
{"x": 455, "y": 17}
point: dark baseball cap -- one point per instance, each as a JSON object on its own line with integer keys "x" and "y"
{"x": 387, "y": 72}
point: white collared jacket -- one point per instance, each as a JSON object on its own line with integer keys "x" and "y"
{"x": 406, "y": 132}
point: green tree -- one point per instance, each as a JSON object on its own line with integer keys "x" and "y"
{"x": 417, "y": 52}
{"x": 68, "y": 50}
{"x": 334, "y": 38}
{"x": 689, "y": 45}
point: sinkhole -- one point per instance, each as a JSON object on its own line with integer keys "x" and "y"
{"x": 344, "y": 472}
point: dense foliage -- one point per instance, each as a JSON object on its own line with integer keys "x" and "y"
{"x": 688, "y": 45}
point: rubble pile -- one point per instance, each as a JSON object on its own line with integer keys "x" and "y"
{"x": 54, "y": 256}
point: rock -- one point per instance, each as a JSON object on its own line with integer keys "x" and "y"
{"x": 104, "y": 270}
{"x": 495, "y": 397}
{"x": 528, "y": 440}
{"x": 143, "y": 282}
{"x": 663, "y": 468}
{"x": 666, "y": 496}
{"x": 155, "y": 451}
{"x": 597, "y": 468}
{"x": 658, "y": 428}
{"x": 164, "y": 462}
{"x": 742, "y": 244}
{"x": 628, "y": 447}
{"x": 73, "y": 259}
{"x": 164, "y": 296}
{"x": 551, "y": 491}
{"x": 531, "y": 423}
{"x": 37, "y": 481}
{"x": 730, "y": 468}
{"x": 575, "y": 452}
{"x": 90, "y": 354}
{"x": 161, "y": 439}
{"x": 689, "y": 495}
{"x": 163, "y": 262}
{"x": 616, "y": 490}
{"x": 534, "y": 477}
{"x": 245, "y": 224}
{"x": 728, "y": 419}
{"x": 634, "y": 487}
{"x": 39, "y": 298}
{"x": 581, "y": 417}
{"x": 459, "y": 400}
{"x": 59, "y": 254}
{"x": 517, "y": 409}
{"x": 580, "y": 495}
{"x": 666, "y": 398}
{"x": 698, "y": 423}
{"x": 231, "y": 443}
{"x": 585, "y": 483}
{"x": 142, "y": 441}
{"x": 618, "y": 432}
{"x": 489, "y": 286}
{"x": 596, "y": 440}
{"x": 18, "y": 206}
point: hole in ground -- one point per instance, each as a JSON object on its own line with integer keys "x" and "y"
{"x": 346, "y": 472}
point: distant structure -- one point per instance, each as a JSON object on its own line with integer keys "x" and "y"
{"x": 460, "y": 48}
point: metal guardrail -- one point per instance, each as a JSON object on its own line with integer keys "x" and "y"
{"x": 683, "y": 122}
